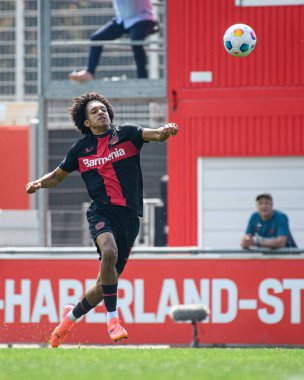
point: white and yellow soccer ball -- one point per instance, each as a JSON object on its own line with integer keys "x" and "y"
{"x": 239, "y": 40}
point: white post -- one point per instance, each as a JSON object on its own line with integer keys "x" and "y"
{"x": 34, "y": 125}
{"x": 153, "y": 56}
{"x": 44, "y": 16}
{"x": 200, "y": 208}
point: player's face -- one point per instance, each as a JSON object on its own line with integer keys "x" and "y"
{"x": 97, "y": 115}
{"x": 265, "y": 208}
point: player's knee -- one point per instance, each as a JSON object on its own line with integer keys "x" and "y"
{"x": 109, "y": 256}
{"x": 95, "y": 36}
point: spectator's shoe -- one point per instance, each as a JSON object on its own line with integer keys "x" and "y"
{"x": 61, "y": 332}
{"x": 82, "y": 75}
{"x": 116, "y": 331}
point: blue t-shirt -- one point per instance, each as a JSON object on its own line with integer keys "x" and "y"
{"x": 129, "y": 12}
{"x": 276, "y": 226}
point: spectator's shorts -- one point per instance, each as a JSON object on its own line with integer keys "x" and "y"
{"x": 122, "y": 222}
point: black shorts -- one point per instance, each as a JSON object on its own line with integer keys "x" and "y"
{"x": 122, "y": 222}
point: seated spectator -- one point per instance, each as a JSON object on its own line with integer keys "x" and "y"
{"x": 267, "y": 227}
{"x": 133, "y": 17}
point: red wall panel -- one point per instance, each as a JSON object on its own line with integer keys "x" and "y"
{"x": 253, "y": 107}
{"x": 206, "y": 133}
{"x": 14, "y": 167}
{"x": 195, "y": 33}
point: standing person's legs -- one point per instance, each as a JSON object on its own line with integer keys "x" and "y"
{"x": 110, "y": 31}
{"x": 139, "y": 32}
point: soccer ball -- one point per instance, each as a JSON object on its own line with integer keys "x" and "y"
{"x": 239, "y": 40}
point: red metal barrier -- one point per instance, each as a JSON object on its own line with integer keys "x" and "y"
{"x": 252, "y": 301}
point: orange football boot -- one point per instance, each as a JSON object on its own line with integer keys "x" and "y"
{"x": 115, "y": 330}
{"x": 61, "y": 332}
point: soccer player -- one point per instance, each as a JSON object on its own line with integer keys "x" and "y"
{"x": 107, "y": 158}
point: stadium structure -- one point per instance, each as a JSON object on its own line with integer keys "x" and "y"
{"x": 241, "y": 133}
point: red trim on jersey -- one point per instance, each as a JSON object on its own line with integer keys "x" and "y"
{"x": 112, "y": 185}
{"x": 103, "y": 161}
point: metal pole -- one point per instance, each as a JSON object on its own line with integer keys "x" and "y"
{"x": 43, "y": 79}
{"x": 165, "y": 18}
{"x": 19, "y": 53}
{"x": 195, "y": 340}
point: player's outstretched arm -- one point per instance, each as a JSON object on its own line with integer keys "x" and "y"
{"x": 160, "y": 134}
{"x": 51, "y": 179}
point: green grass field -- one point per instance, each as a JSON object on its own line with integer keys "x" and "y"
{"x": 146, "y": 364}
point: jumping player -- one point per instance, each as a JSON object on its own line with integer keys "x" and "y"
{"x": 107, "y": 158}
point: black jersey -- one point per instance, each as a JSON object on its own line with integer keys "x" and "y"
{"x": 110, "y": 166}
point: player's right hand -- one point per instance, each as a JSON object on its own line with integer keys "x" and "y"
{"x": 170, "y": 129}
{"x": 31, "y": 187}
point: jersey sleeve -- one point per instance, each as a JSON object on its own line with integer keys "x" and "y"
{"x": 250, "y": 226}
{"x": 282, "y": 229}
{"x": 134, "y": 133}
{"x": 70, "y": 162}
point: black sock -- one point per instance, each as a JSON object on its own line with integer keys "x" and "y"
{"x": 81, "y": 308}
{"x": 110, "y": 296}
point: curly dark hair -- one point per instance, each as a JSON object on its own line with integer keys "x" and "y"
{"x": 78, "y": 111}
